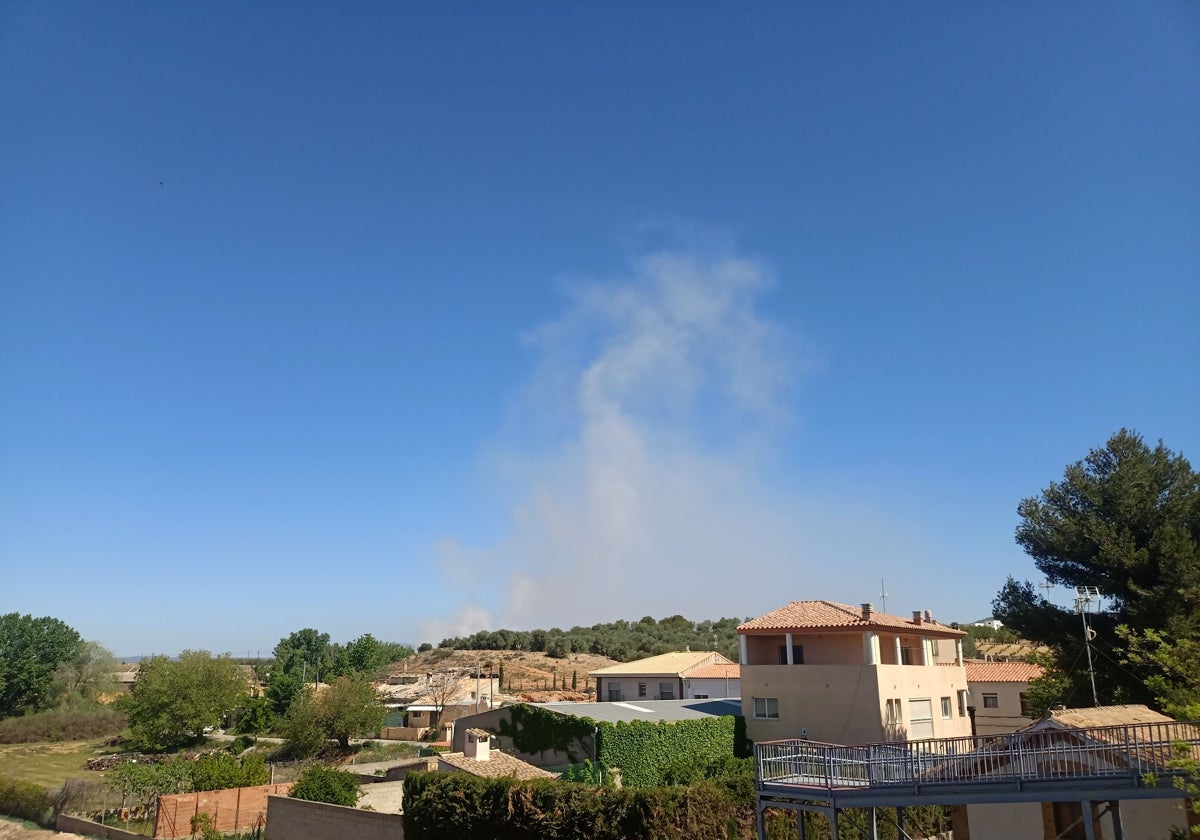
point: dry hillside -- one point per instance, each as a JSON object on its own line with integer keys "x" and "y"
{"x": 527, "y": 675}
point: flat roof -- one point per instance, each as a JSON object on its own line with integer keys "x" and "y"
{"x": 667, "y": 710}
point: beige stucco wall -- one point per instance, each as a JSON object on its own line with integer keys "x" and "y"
{"x": 383, "y": 797}
{"x": 1006, "y": 718}
{"x": 714, "y": 688}
{"x": 845, "y": 704}
{"x": 1150, "y": 819}
{"x": 629, "y": 687}
{"x": 1145, "y": 819}
{"x": 1006, "y": 822}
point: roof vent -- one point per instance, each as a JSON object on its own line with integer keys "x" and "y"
{"x": 928, "y": 615}
{"x": 867, "y": 609}
{"x": 917, "y": 617}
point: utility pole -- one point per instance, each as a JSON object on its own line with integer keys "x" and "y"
{"x": 1084, "y": 595}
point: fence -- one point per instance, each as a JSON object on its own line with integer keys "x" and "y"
{"x": 1133, "y": 751}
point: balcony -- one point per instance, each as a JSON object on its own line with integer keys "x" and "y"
{"x": 1036, "y": 765}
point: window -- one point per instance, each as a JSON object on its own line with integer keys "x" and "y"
{"x": 962, "y": 704}
{"x": 946, "y": 710}
{"x": 641, "y": 689}
{"x": 797, "y": 654}
{"x": 906, "y": 656}
{"x": 1026, "y": 706}
{"x": 700, "y": 697}
{"x": 893, "y": 714}
{"x": 991, "y": 701}
{"x": 666, "y": 691}
{"x": 614, "y": 692}
{"x": 766, "y": 708}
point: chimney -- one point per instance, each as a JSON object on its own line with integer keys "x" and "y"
{"x": 687, "y": 648}
{"x": 867, "y": 609}
{"x": 916, "y": 617}
{"x": 928, "y": 615}
{"x": 478, "y": 745}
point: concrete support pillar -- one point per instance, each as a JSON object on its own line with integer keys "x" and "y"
{"x": 871, "y": 648}
{"x": 958, "y": 659}
{"x": 959, "y": 825}
{"x": 1089, "y": 821}
{"x": 787, "y": 644}
{"x": 741, "y": 651}
{"x": 1114, "y": 808}
{"x": 896, "y": 642}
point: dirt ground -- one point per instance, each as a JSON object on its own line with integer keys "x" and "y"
{"x": 10, "y": 830}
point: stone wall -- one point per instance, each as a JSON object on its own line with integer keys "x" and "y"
{"x": 296, "y": 819}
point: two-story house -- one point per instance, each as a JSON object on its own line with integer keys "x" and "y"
{"x": 839, "y": 674}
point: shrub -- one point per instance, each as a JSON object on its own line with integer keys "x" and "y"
{"x": 25, "y": 800}
{"x": 80, "y": 723}
{"x": 322, "y": 783}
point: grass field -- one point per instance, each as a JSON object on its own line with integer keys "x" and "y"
{"x": 49, "y": 765}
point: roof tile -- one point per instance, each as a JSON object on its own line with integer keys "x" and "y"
{"x": 830, "y": 615}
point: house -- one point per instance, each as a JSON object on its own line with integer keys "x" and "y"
{"x": 991, "y": 622}
{"x": 479, "y": 759}
{"x": 1106, "y": 740}
{"x": 716, "y": 679}
{"x": 659, "y": 677}
{"x": 835, "y": 673}
{"x": 997, "y": 693}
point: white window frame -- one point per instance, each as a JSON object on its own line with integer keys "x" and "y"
{"x": 894, "y": 714}
{"x": 962, "y": 703}
{"x": 763, "y": 708}
{"x": 947, "y": 709}
{"x": 994, "y": 698}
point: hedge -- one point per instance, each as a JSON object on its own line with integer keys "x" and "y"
{"x": 439, "y": 805}
{"x": 25, "y": 800}
{"x": 642, "y": 750}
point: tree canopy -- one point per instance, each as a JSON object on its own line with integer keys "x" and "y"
{"x": 1125, "y": 519}
{"x": 173, "y": 700}
{"x": 620, "y": 640}
{"x": 31, "y": 651}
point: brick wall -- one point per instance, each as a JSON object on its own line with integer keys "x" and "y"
{"x": 237, "y": 809}
{"x": 296, "y": 819}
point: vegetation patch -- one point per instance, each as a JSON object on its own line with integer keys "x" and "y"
{"x": 63, "y": 724}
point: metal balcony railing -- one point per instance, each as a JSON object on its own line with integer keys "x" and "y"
{"x": 1130, "y": 751}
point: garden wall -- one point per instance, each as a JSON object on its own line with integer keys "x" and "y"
{"x": 297, "y": 819}
{"x": 236, "y": 809}
{"x": 84, "y": 826}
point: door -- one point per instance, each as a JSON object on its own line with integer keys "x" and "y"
{"x": 920, "y": 719}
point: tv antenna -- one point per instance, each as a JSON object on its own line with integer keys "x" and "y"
{"x": 1046, "y": 585}
{"x": 882, "y": 596}
{"x": 1084, "y": 597}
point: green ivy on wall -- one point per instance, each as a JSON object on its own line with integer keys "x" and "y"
{"x": 643, "y": 750}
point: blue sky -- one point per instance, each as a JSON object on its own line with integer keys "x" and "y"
{"x": 414, "y": 319}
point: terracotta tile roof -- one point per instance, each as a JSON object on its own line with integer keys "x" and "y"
{"x": 498, "y": 765}
{"x": 1015, "y": 672}
{"x": 667, "y": 663}
{"x": 829, "y": 615}
{"x": 714, "y": 671}
{"x": 1107, "y": 716}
